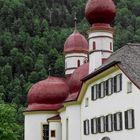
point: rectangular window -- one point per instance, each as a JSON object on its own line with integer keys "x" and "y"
{"x": 129, "y": 119}
{"x": 109, "y": 123}
{"x": 45, "y": 132}
{"x": 101, "y": 124}
{"x": 118, "y": 121}
{"x": 118, "y": 83}
{"x": 53, "y": 133}
{"x": 94, "y": 129}
{"x": 129, "y": 87}
{"x": 86, "y": 127}
{"x": 110, "y": 86}
{"x": 93, "y": 93}
{"x": 101, "y": 90}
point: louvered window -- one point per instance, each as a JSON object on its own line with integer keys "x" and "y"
{"x": 101, "y": 90}
{"x": 118, "y": 121}
{"x": 110, "y": 86}
{"x": 94, "y": 124}
{"x": 129, "y": 119}
{"x": 93, "y": 93}
{"x": 109, "y": 123}
{"x": 86, "y": 127}
{"x": 101, "y": 124}
{"x": 118, "y": 83}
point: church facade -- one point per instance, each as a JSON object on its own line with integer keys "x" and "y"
{"x": 98, "y": 99}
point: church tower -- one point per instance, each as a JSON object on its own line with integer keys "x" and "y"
{"x": 75, "y": 51}
{"x": 100, "y": 13}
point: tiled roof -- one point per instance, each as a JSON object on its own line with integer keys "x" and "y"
{"x": 128, "y": 60}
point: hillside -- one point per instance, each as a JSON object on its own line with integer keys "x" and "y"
{"x": 32, "y": 34}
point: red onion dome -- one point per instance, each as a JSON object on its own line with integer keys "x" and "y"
{"x": 100, "y": 11}
{"x": 76, "y": 43}
{"x": 47, "y": 94}
{"x": 75, "y": 80}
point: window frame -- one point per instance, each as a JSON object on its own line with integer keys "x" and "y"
{"x": 116, "y": 82}
{"x": 101, "y": 126}
{"x": 107, "y": 123}
{"x": 116, "y": 121}
{"x": 93, "y": 93}
{"x": 127, "y": 119}
{"x": 93, "y": 125}
{"x": 43, "y": 136}
{"x": 129, "y": 87}
{"x": 86, "y": 127}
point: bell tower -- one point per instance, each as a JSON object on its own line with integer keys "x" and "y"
{"x": 75, "y": 51}
{"x": 100, "y": 13}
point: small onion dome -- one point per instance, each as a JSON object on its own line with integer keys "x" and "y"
{"x": 47, "y": 94}
{"x": 100, "y": 11}
{"x": 75, "y": 80}
{"x": 76, "y": 43}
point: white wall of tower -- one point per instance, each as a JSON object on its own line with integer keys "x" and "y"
{"x": 71, "y": 61}
{"x": 55, "y": 126}
{"x": 100, "y": 47}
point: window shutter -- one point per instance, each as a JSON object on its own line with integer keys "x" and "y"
{"x": 107, "y": 87}
{"x": 107, "y": 124}
{"x": 120, "y": 82}
{"x": 121, "y": 123}
{"x": 126, "y": 119}
{"x": 92, "y": 93}
{"x": 84, "y": 127}
{"x": 115, "y": 122}
{"x": 87, "y": 127}
{"x": 99, "y": 125}
{"x": 115, "y": 84}
{"x": 133, "y": 119}
{"x": 92, "y": 126}
{"x": 99, "y": 86}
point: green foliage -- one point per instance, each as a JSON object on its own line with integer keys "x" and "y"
{"x": 9, "y": 129}
{"x": 32, "y": 36}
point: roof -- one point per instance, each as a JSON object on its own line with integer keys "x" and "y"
{"x": 128, "y": 60}
{"x": 76, "y": 43}
{"x": 54, "y": 118}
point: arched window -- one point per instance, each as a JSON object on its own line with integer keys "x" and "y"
{"x": 94, "y": 45}
{"x": 78, "y": 63}
{"x": 111, "y": 46}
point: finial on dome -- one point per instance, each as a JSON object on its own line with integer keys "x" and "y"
{"x": 75, "y": 22}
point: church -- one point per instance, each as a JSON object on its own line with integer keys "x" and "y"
{"x": 98, "y": 99}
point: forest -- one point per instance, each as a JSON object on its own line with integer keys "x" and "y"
{"x": 32, "y": 35}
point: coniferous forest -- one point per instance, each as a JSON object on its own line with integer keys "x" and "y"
{"x": 32, "y": 34}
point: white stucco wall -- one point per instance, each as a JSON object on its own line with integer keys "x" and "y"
{"x": 33, "y": 125}
{"x": 71, "y": 61}
{"x": 72, "y": 113}
{"x": 102, "y": 41}
{"x": 56, "y": 126}
{"x": 117, "y": 102}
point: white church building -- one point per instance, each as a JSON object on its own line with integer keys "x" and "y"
{"x": 99, "y": 97}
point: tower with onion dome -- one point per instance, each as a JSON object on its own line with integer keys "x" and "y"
{"x": 75, "y": 51}
{"x": 100, "y": 13}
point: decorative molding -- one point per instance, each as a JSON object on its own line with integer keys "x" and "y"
{"x": 70, "y": 68}
{"x": 106, "y": 51}
{"x": 100, "y": 37}
{"x": 75, "y": 56}
{"x": 39, "y": 112}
